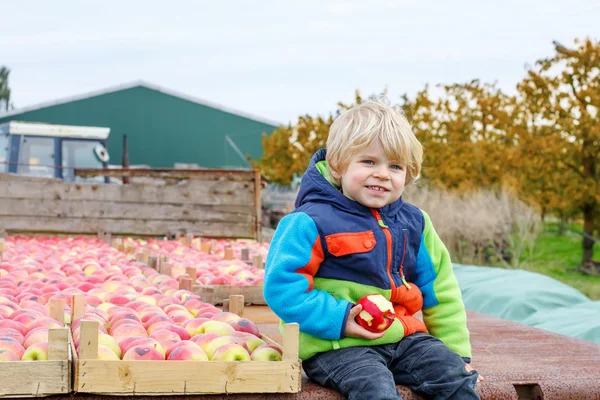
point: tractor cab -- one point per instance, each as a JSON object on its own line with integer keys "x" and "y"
{"x": 52, "y": 151}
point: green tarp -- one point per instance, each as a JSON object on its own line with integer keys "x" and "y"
{"x": 529, "y": 298}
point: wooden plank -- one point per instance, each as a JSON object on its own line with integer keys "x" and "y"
{"x": 34, "y": 378}
{"x": 189, "y": 377}
{"x": 215, "y": 294}
{"x": 58, "y": 344}
{"x": 192, "y": 192}
{"x": 40, "y": 378}
{"x": 186, "y": 377}
{"x": 122, "y": 226}
{"x": 13, "y": 206}
{"x": 57, "y": 309}
{"x": 77, "y": 307}
{"x": 88, "y": 340}
{"x": 171, "y": 173}
{"x": 236, "y": 304}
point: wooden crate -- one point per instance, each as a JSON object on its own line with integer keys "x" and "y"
{"x": 161, "y": 378}
{"x": 40, "y": 378}
{"x": 215, "y": 294}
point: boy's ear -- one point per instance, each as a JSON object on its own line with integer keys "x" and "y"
{"x": 335, "y": 174}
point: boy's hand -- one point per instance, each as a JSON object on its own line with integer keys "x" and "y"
{"x": 353, "y": 329}
{"x": 469, "y": 369}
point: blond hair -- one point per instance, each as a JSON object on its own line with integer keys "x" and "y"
{"x": 374, "y": 119}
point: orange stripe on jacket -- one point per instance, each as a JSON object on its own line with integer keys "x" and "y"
{"x": 311, "y": 268}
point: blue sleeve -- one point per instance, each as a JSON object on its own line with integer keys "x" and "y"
{"x": 295, "y": 255}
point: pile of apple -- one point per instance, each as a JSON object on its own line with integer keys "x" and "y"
{"x": 24, "y": 329}
{"x": 184, "y": 329}
{"x": 211, "y": 269}
{"x": 127, "y": 298}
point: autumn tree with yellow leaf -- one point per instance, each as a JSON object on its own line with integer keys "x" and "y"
{"x": 562, "y": 96}
{"x": 467, "y": 133}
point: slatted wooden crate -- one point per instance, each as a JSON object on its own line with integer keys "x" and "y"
{"x": 216, "y": 294}
{"x": 40, "y": 378}
{"x": 161, "y": 378}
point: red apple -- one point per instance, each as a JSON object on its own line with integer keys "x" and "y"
{"x": 377, "y": 313}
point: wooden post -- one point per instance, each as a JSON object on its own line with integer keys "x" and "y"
{"x": 205, "y": 247}
{"x": 246, "y": 255}
{"x": 1, "y": 248}
{"x": 228, "y": 253}
{"x": 225, "y": 305}
{"x": 191, "y": 271}
{"x": 185, "y": 283}
{"x": 77, "y": 307}
{"x": 257, "y": 261}
{"x": 291, "y": 340}
{"x": 166, "y": 268}
{"x": 57, "y": 309}
{"x": 88, "y": 340}
{"x": 257, "y": 204}
{"x": 213, "y": 246}
{"x": 163, "y": 258}
{"x": 58, "y": 344}
{"x": 236, "y": 304}
{"x": 153, "y": 262}
{"x": 142, "y": 257}
{"x": 187, "y": 239}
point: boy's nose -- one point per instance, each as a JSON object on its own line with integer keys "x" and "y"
{"x": 382, "y": 173}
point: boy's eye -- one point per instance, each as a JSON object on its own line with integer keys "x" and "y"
{"x": 370, "y": 162}
{"x": 398, "y": 167}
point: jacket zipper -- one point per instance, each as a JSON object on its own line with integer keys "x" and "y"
{"x": 388, "y": 236}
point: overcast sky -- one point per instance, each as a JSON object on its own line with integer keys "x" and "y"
{"x": 279, "y": 59}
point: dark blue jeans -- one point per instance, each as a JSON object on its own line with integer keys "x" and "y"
{"x": 419, "y": 361}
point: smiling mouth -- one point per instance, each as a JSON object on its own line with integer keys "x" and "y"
{"x": 377, "y": 188}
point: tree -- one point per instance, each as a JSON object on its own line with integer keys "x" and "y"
{"x": 4, "y": 89}
{"x": 467, "y": 133}
{"x": 287, "y": 151}
{"x": 562, "y": 95}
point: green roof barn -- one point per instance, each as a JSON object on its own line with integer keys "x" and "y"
{"x": 163, "y": 127}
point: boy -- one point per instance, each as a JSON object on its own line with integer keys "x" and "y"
{"x": 351, "y": 235}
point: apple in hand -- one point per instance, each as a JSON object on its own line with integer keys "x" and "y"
{"x": 266, "y": 352}
{"x": 377, "y": 313}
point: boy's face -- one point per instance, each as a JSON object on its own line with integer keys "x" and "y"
{"x": 371, "y": 178}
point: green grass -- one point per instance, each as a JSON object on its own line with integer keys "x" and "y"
{"x": 559, "y": 257}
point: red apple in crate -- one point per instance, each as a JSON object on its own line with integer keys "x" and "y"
{"x": 7, "y": 355}
{"x": 143, "y": 353}
{"x": 266, "y": 352}
{"x": 12, "y": 345}
{"x": 377, "y": 313}
{"x": 104, "y": 353}
{"x": 188, "y": 352}
{"x": 35, "y": 352}
{"x": 231, "y": 352}
{"x": 13, "y": 333}
{"x": 245, "y": 325}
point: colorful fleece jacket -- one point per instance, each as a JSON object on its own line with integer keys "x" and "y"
{"x": 331, "y": 251}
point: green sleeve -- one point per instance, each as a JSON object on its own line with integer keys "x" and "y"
{"x": 447, "y": 320}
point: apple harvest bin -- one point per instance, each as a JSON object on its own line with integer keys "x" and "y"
{"x": 40, "y": 378}
{"x": 120, "y": 377}
{"x": 215, "y": 294}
